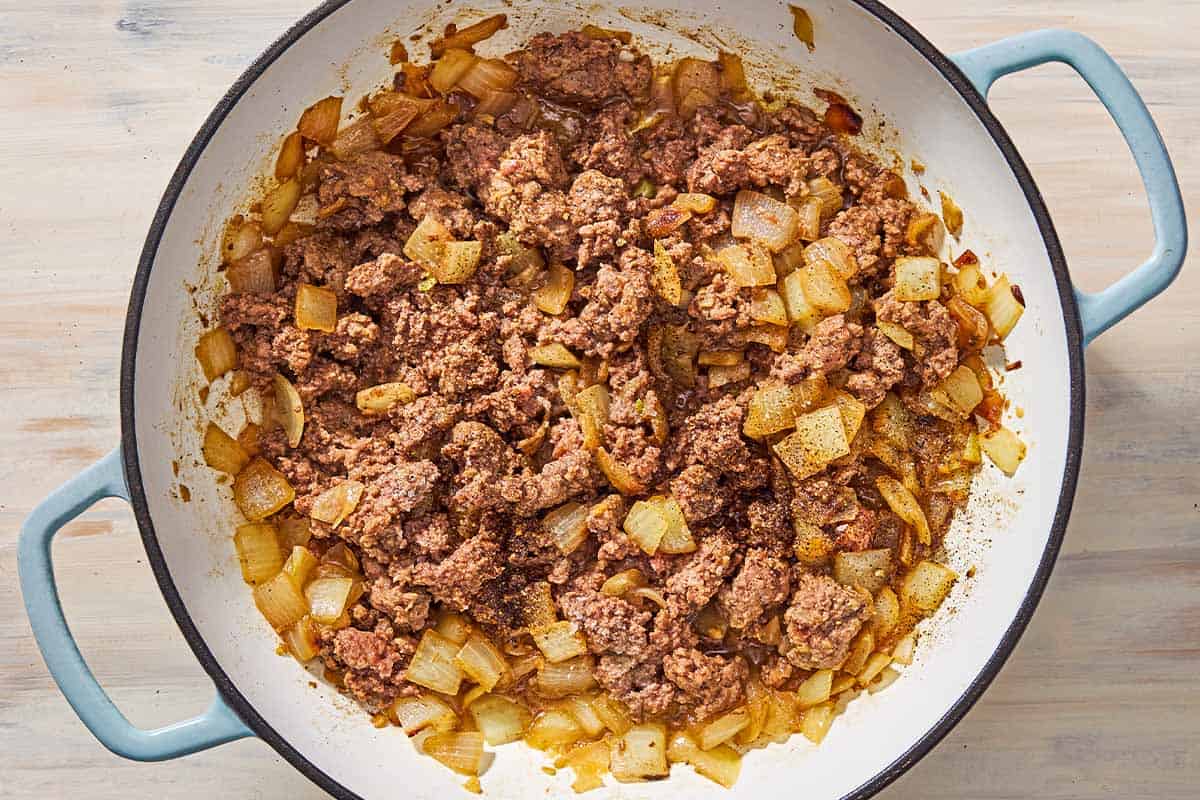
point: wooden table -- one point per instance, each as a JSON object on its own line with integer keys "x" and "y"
{"x": 99, "y": 101}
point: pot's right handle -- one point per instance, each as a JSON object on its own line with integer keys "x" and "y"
{"x": 215, "y": 726}
{"x": 984, "y": 65}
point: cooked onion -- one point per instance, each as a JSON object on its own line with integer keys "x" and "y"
{"x": 678, "y": 537}
{"x": 333, "y": 505}
{"x": 815, "y": 689}
{"x": 391, "y": 113}
{"x": 926, "y": 230}
{"x": 460, "y": 751}
{"x": 897, "y": 333}
{"x": 853, "y": 413}
{"x": 559, "y": 641}
{"x": 415, "y": 714}
{"x": 437, "y": 116}
{"x": 458, "y": 263}
{"x": 952, "y": 215}
{"x": 553, "y": 295}
{"x": 960, "y": 390}
{"x": 820, "y": 437}
{"x": 722, "y": 729}
{"x": 359, "y": 137}
{"x": 487, "y": 75}
{"x": 870, "y": 569}
{"x": 222, "y": 452}
{"x": 969, "y": 283}
{"x": 241, "y": 239}
{"x": 384, "y": 397}
{"x": 766, "y": 305}
{"x": 591, "y": 410}
{"x": 695, "y": 203}
{"x": 496, "y": 103}
{"x": 319, "y": 122}
{"x": 824, "y": 289}
{"x": 800, "y": 310}
{"x": 260, "y": 490}
{"x": 733, "y": 77}
{"x": 291, "y": 156}
{"x": 481, "y": 661}
{"x": 764, "y": 219}
{"x": 640, "y": 753}
{"x": 566, "y": 677}
{"x": 256, "y": 273}
{"x": 748, "y": 264}
{"x": 902, "y": 502}
{"x": 554, "y": 355}
{"x": 289, "y": 409}
{"x": 719, "y": 376}
{"x": 567, "y": 526}
{"x": 554, "y": 728}
{"x": 1004, "y": 449}
{"x": 499, "y": 719}
{"x": 470, "y": 36}
{"x": 918, "y": 278}
{"x": 1002, "y": 307}
{"x": 926, "y": 586}
{"x": 300, "y": 564}
{"x": 830, "y": 195}
{"x": 258, "y": 552}
{"x": 280, "y": 601}
{"x": 301, "y": 640}
{"x": 771, "y": 409}
{"x": 433, "y": 665}
{"x": 808, "y": 218}
{"x": 696, "y": 82}
{"x": 328, "y": 598}
{"x": 835, "y": 253}
{"x": 646, "y": 526}
{"x": 278, "y": 205}
{"x": 623, "y": 582}
{"x": 666, "y": 277}
{"x": 450, "y": 68}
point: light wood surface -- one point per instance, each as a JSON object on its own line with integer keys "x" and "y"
{"x": 100, "y": 99}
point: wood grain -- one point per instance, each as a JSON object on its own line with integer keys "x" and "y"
{"x": 100, "y": 100}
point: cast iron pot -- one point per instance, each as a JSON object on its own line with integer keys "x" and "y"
{"x": 935, "y": 108}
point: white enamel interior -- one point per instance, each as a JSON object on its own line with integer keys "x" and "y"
{"x": 1003, "y": 535}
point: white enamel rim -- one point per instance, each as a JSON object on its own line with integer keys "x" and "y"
{"x": 879, "y": 737}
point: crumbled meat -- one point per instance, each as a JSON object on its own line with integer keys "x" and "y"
{"x": 701, "y": 576}
{"x": 932, "y": 327}
{"x": 571, "y": 68}
{"x": 610, "y": 624}
{"x": 698, "y": 493}
{"x": 364, "y": 190}
{"x": 834, "y": 341}
{"x": 712, "y": 684}
{"x": 822, "y": 620}
{"x": 458, "y": 580}
{"x": 878, "y": 367}
{"x": 761, "y": 583}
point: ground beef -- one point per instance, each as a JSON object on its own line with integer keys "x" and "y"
{"x": 822, "y": 620}
{"x": 487, "y": 435}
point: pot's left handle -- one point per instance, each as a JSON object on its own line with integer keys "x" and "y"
{"x": 215, "y": 726}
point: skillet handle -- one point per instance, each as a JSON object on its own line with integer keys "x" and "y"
{"x": 215, "y": 726}
{"x": 984, "y": 65}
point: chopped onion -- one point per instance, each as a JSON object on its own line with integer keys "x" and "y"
{"x": 835, "y": 253}
{"x": 820, "y": 438}
{"x": 800, "y": 310}
{"x": 566, "y": 677}
{"x": 437, "y": 116}
{"x": 918, "y": 278}
{"x": 722, "y": 729}
{"x": 559, "y": 641}
{"x": 582, "y": 710}
{"x": 535, "y": 605}
{"x": 289, "y": 410}
{"x": 808, "y": 219}
{"x": 870, "y": 569}
{"x": 241, "y": 239}
{"x": 1004, "y": 449}
{"x": 222, "y": 452}
{"x": 392, "y": 112}
{"x": 853, "y": 413}
{"x": 816, "y": 722}
{"x": 613, "y": 713}
{"x": 678, "y": 537}
{"x": 824, "y": 289}
{"x": 772, "y": 336}
{"x": 487, "y": 75}
{"x": 903, "y": 652}
{"x": 1002, "y": 308}
{"x": 622, "y": 582}
{"x": 733, "y": 77}
{"x": 695, "y": 202}
{"x": 894, "y": 422}
{"x": 666, "y": 277}
{"x": 300, "y": 564}
{"x": 767, "y": 306}
{"x": 902, "y": 502}
{"x": 257, "y": 273}
{"x": 830, "y": 195}
{"x": 216, "y": 353}
{"x": 875, "y": 665}
{"x": 291, "y": 156}
{"x": 459, "y": 262}
{"x": 294, "y": 531}
{"x": 720, "y": 358}
{"x": 815, "y": 689}
{"x": 764, "y": 219}
{"x": 593, "y": 32}
{"x": 719, "y": 376}
{"x": 479, "y": 659}
{"x": 427, "y": 243}
{"x": 567, "y": 526}
{"x": 927, "y": 231}
{"x": 415, "y": 714}
{"x": 499, "y": 719}
{"x": 319, "y": 122}
{"x": 260, "y": 490}
{"x": 887, "y": 613}
{"x": 552, "y": 297}
{"x": 554, "y": 728}
{"x": 960, "y": 390}
{"x": 591, "y": 408}
{"x": 301, "y": 640}
{"x": 356, "y": 138}
{"x": 860, "y": 651}
{"x": 495, "y": 104}
{"x": 748, "y": 265}
{"x": 897, "y": 333}
{"x": 278, "y": 205}
{"x": 771, "y": 409}
{"x": 973, "y": 327}
{"x": 433, "y": 664}
{"x": 554, "y": 355}
{"x": 469, "y": 36}
{"x": 969, "y": 283}
{"x": 382, "y": 398}
{"x": 460, "y": 751}
{"x": 280, "y": 601}
{"x": 721, "y": 764}
{"x": 640, "y": 753}
{"x": 887, "y": 677}
{"x": 646, "y": 526}
{"x": 333, "y": 505}
{"x": 617, "y": 474}
{"x": 951, "y": 214}
{"x": 328, "y": 598}
{"x": 258, "y": 552}
{"x": 450, "y": 68}
{"x": 692, "y": 75}
{"x": 661, "y": 222}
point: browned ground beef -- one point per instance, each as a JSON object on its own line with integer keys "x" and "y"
{"x": 456, "y": 481}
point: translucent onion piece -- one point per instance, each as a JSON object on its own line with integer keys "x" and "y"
{"x": 640, "y": 753}
{"x": 487, "y": 75}
{"x": 875, "y": 665}
{"x": 646, "y": 526}
{"x": 291, "y": 156}
{"x": 764, "y": 219}
{"x": 499, "y": 719}
{"x": 835, "y": 253}
{"x": 415, "y": 714}
{"x": 495, "y": 104}
{"x": 567, "y": 526}
{"x": 459, "y": 262}
{"x": 280, "y": 601}
{"x": 451, "y": 66}
{"x": 664, "y": 221}
{"x": 333, "y": 505}
{"x": 565, "y": 678}
{"x": 554, "y": 728}
{"x": 719, "y": 376}
{"x": 427, "y": 243}
{"x": 535, "y": 605}
{"x": 278, "y": 205}
{"x": 552, "y": 297}
{"x": 771, "y": 409}
{"x": 773, "y": 336}
{"x": 678, "y": 350}
{"x": 815, "y": 689}
{"x": 973, "y": 327}
{"x": 722, "y": 764}
{"x": 294, "y": 531}
{"x": 328, "y": 598}
{"x": 853, "y": 413}
{"x": 720, "y": 358}
{"x": 460, "y": 751}
{"x": 887, "y": 613}
{"x": 581, "y": 709}
{"x": 301, "y": 640}
{"x": 1004, "y": 449}
{"x": 869, "y": 569}
{"x": 897, "y": 333}
{"x": 894, "y": 422}
{"x": 481, "y": 661}
{"x": 695, "y": 75}
{"x": 433, "y": 664}
{"x": 554, "y": 355}
{"x": 392, "y": 112}
{"x": 722, "y": 729}
{"x": 903, "y": 652}
{"x": 767, "y": 306}
{"x": 887, "y": 677}
{"x": 808, "y": 219}
{"x": 733, "y": 77}
{"x": 830, "y": 195}
{"x": 918, "y": 278}
{"x": 613, "y": 713}
{"x": 678, "y": 537}
{"x": 319, "y": 122}
{"x": 816, "y": 722}
{"x": 241, "y": 239}
{"x": 384, "y": 397}
{"x": 300, "y": 564}
{"x": 559, "y": 641}
{"x": 622, "y": 582}
{"x": 902, "y": 502}
{"x": 666, "y": 277}
{"x": 216, "y": 353}
{"x": 617, "y": 474}
{"x": 960, "y": 390}
{"x": 927, "y": 231}
{"x": 952, "y": 215}
{"x": 695, "y": 202}
{"x": 356, "y": 138}
{"x": 289, "y": 409}
{"x": 802, "y": 313}
{"x": 590, "y": 763}
{"x": 437, "y": 116}
{"x": 969, "y": 283}
{"x": 469, "y": 36}
{"x": 1002, "y": 308}
{"x": 222, "y": 452}
{"x": 258, "y": 552}
{"x": 820, "y": 438}
{"x": 260, "y": 490}
{"x": 824, "y": 289}
{"x": 592, "y": 409}
{"x": 256, "y": 273}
